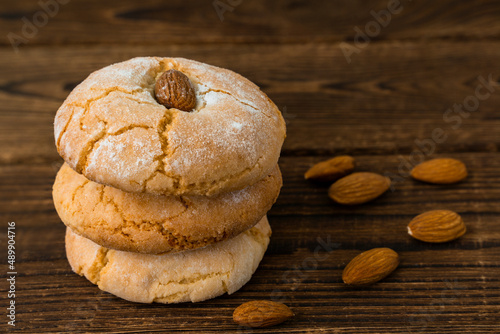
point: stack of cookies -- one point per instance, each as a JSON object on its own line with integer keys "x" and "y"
{"x": 170, "y": 169}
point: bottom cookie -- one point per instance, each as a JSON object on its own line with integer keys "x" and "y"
{"x": 194, "y": 275}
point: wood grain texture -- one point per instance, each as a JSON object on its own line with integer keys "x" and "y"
{"x": 434, "y": 283}
{"x": 367, "y": 107}
{"x": 282, "y": 21}
{"x": 395, "y": 91}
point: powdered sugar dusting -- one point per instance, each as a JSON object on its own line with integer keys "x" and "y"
{"x": 238, "y": 196}
{"x": 230, "y": 133}
{"x": 212, "y": 98}
{"x": 129, "y": 156}
{"x": 225, "y": 80}
{"x": 237, "y": 125}
{"x": 215, "y": 132}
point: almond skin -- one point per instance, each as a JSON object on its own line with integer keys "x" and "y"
{"x": 440, "y": 171}
{"x": 261, "y": 313}
{"x": 437, "y": 226}
{"x": 173, "y": 89}
{"x": 370, "y": 266}
{"x": 331, "y": 170}
{"x": 359, "y": 188}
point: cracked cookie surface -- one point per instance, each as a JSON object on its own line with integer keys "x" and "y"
{"x": 112, "y": 130}
{"x": 154, "y": 224}
{"x": 194, "y": 275}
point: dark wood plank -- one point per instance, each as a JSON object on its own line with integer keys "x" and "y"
{"x": 436, "y": 289}
{"x": 431, "y": 286}
{"x": 412, "y": 296}
{"x": 27, "y": 189}
{"x": 283, "y": 21}
{"x": 393, "y": 92}
{"x": 377, "y": 105}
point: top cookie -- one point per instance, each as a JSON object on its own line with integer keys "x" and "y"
{"x": 112, "y": 130}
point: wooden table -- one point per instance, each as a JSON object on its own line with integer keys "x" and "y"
{"x": 391, "y": 96}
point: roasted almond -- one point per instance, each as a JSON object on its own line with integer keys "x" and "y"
{"x": 370, "y": 266}
{"x": 440, "y": 171}
{"x": 437, "y": 226}
{"x": 261, "y": 313}
{"x": 359, "y": 188}
{"x": 331, "y": 170}
{"x": 173, "y": 89}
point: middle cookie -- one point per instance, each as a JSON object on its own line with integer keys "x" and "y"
{"x": 156, "y": 224}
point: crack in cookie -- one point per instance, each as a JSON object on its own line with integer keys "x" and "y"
{"x": 147, "y": 223}
{"x": 171, "y": 278}
{"x": 236, "y": 139}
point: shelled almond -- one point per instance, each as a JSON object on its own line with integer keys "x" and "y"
{"x": 261, "y": 313}
{"x": 331, "y": 170}
{"x": 370, "y": 266}
{"x": 359, "y": 188}
{"x": 440, "y": 171}
{"x": 437, "y": 226}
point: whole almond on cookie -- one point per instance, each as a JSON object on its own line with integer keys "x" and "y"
{"x": 440, "y": 171}
{"x": 437, "y": 226}
{"x": 370, "y": 266}
{"x": 331, "y": 170}
{"x": 359, "y": 188}
{"x": 261, "y": 313}
{"x": 173, "y": 89}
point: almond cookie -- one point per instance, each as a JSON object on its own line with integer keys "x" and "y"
{"x": 194, "y": 275}
{"x": 112, "y": 129}
{"x": 154, "y": 224}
